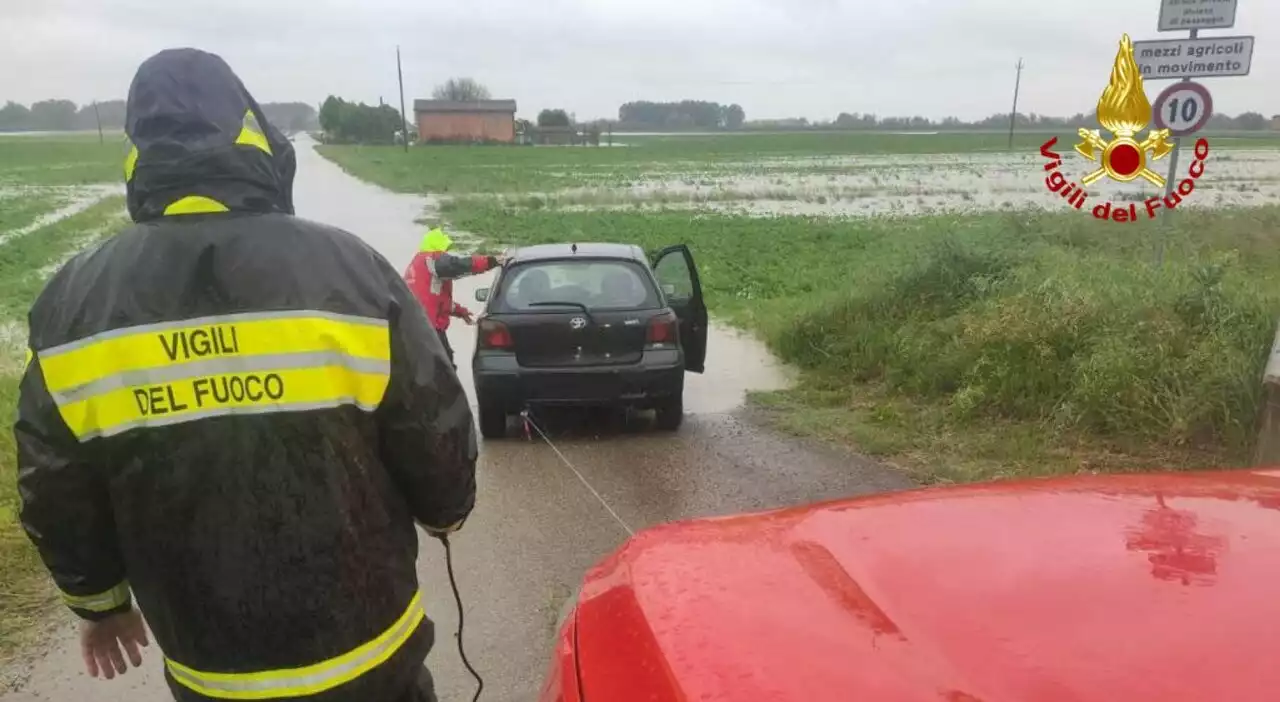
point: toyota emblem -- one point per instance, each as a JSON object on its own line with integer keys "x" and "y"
{"x": 578, "y": 322}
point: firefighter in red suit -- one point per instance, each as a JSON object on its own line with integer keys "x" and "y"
{"x": 431, "y": 274}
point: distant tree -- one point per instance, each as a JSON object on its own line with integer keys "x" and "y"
{"x": 111, "y": 112}
{"x": 1251, "y": 121}
{"x": 54, "y": 115}
{"x": 734, "y": 116}
{"x": 331, "y": 114}
{"x": 554, "y": 118}
{"x": 359, "y": 123}
{"x": 686, "y": 114}
{"x": 14, "y": 117}
{"x": 461, "y": 89}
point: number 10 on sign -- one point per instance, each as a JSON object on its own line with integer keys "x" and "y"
{"x": 1183, "y": 108}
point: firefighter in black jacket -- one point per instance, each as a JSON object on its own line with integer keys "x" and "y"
{"x": 235, "y": 416}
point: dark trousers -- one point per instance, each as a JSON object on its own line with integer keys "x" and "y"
{"x": 423, "y": 690}
{"x": 444, "y": 341}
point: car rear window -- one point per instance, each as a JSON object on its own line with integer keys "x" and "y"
{"x": 597, "y": 284}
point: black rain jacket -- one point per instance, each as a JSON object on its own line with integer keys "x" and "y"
{"x": 236, "y": 416}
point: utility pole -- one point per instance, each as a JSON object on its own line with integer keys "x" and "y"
{"x": 1013, "y": 116}
{"x": 98, "y": 118}
{"x": 404, "y": 120}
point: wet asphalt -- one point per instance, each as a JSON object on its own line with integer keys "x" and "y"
{"x": 537, "y": 528}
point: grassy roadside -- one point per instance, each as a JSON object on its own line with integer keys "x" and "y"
{"x": 25, "y": 262}
{"x": 971, "y": 347}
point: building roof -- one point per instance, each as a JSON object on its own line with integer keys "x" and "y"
{"x": 461, "y": 106}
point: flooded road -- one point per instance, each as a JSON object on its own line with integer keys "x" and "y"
{"x": 536, "y": 528}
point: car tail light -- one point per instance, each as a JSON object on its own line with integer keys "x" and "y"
{"x": 494, "y": 335}
{"x": 663, "y": 329}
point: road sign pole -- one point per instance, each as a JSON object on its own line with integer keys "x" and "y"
{"x": 1177, "y": 146}
{"x": 1171, "y": 179}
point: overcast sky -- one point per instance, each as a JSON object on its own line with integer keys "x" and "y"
{"x": 777, "y": 58}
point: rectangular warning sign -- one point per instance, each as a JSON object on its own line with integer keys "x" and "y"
{"x": 1216, "y": 57}
{"x": 1182, "y": 15}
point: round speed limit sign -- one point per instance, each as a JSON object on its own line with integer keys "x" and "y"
{"x": 1183, "y": 108}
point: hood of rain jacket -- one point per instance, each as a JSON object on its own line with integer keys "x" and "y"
{"x": 194, "y": 130}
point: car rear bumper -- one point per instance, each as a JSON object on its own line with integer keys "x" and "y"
{"x": 501, "y": 381}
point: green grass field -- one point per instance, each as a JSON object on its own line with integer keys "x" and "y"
{"x": 25, "y": 262}
{"x": 64, "y": 159}
{"x": 19, "y": 209}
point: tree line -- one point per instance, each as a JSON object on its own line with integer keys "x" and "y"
{"x": 346, "y": 122}
{"x": 698, "y": 114}
{"x": 1246, "y": 121}
{"x": 685, "y": 114}
{"x": 65, "y": 115}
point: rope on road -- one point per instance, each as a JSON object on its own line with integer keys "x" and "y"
{"x": 528, "y": 422}
{"x": 457, "y": 597}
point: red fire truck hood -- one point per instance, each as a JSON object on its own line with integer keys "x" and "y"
{"x": 1096, "y": 589}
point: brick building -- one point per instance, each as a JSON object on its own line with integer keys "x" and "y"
{"x": 449, "y": 120}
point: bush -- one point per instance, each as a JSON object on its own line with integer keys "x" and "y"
{"x": 1084, "y": 341}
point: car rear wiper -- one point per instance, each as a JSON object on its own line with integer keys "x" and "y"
{"x": 565, "y": 303}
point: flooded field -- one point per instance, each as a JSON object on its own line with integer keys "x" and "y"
{"x": 895, "y": 184}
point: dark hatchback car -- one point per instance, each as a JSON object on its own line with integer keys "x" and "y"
{"x": 589, "y": 325}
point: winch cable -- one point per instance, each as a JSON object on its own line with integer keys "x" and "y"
{"x": 528, "y": 422}
{"x": 457, "y": 597}
{"x": 527, "y": 418}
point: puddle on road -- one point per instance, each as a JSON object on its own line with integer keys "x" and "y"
{"x": 736, "y": 364}
{"x": 387, "y": 221}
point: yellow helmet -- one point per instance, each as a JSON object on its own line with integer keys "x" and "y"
{"x": 436, "y": 240}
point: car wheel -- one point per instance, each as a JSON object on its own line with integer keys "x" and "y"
{"x": 670, "y": 413}
{"x": 493, "y": 422}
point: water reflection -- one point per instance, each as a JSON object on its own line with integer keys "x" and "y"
{"x": 1175, "y": 549}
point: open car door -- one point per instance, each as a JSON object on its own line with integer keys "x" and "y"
{"x": 678, "y": 277}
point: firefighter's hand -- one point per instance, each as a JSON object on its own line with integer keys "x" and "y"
{"x": 101, "y": 643}
{"x": 465, "y": 315}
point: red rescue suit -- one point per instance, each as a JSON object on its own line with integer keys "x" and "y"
{"x": 430, "y": 276}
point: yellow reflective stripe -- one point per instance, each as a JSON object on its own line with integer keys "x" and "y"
{"x": 249, "y": 392}
{"x": 101, "y": 602}
{"x": 307, "y": 680}
{"x": 251, "y": 133}
{"x": 130, "y": 163}
{"x": 263, "y": 333}
{"x": 195, "y": 204}
{"x": 27, "y": 363}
